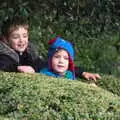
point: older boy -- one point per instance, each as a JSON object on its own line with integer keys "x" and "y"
{"x": 16, "y": 53}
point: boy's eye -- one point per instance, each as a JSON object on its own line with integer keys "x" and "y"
{"x": 18, "y": 36}
{"x": 57, "y": 56}
{"x": 25, "y": 35}
{"x": 14, "y": 36}
{"x": 66, "y": 58}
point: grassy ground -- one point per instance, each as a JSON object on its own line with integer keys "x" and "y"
{"x": 38, "y": 97}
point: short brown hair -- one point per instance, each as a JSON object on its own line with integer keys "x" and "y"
{"x": 12, "y": 24}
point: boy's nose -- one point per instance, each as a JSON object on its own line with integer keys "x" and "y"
{"x": 20, "y": 39}
{"x": 61, "y": 60}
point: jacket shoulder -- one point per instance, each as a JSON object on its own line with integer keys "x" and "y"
{"x": 7, "y": 51}
{"x": 7, "y": 64}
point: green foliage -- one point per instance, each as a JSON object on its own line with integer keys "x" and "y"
{"x": 37, "y": 97}
{"x": 93, "y": 16}
{"x": 91, "y": 25}
{"x": 110, "y": 83}
{"x": 99, "y": 54}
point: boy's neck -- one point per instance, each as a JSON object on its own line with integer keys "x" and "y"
{"x": 60, "y": 74}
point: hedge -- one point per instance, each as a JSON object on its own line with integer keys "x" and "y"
{"x": 108, "y": 82}
{"x": 38, "y": 97}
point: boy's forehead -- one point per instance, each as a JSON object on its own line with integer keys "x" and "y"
{"x": 17, "y": 27}
{"x": 16, "y": 31}
{"x": 60, "y": 50}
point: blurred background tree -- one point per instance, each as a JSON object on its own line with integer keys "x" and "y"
{"x": 93, "y": 26}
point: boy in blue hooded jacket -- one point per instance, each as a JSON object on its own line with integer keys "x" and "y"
{"x": 60, "y": 59}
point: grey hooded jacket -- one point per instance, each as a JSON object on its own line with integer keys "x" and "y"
{"x": 10, "y": 59}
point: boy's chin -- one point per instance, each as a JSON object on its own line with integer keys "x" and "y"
{"x": 61, "y": 72}
{"x": 21, "y": 50}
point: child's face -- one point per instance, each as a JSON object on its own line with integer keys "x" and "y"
{"x": 18, "y": 39}
{"x": 60, "y": 62}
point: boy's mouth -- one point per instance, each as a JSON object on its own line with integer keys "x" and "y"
{"x": 21, "y": 45}
{"x": 61, "y": 66}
